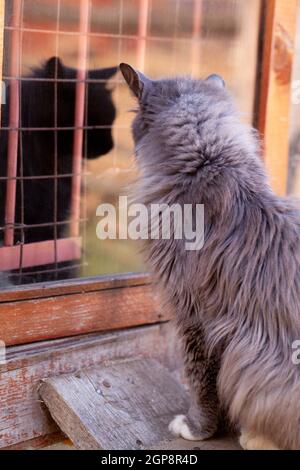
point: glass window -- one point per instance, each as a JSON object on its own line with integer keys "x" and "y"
{"x": 65, "y": 141}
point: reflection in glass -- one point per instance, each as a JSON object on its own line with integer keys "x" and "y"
{"x": 197, "y": 37}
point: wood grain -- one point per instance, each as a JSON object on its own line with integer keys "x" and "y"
{"x": 68, "y": 315}
{"x": 42, "y": 442}
{"x": 22, "y": 415}
{"x": 216, "y": 443}
{"x": 275, "y": 84}
{"x": 73, "y": 286}
{"x": 116, "y": 406}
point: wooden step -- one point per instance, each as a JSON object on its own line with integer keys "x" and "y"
{"x": 121, "y": 405}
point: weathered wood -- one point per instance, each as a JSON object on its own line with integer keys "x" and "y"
{"x": 116, "y": 406}
{"x": 55, "y": 310}
{"x": 57, "y": 441}
{"x": 67, "y": 315}
{"x": 43, "y": 442}
{"x": 73, "y": 286}
{"x": 22, "y": 415}
{"x": 216, "y": 443}
{"x": 274, "y": 106}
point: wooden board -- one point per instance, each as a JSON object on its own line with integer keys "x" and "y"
{"x": 73, "y": 286}
{"x": 116, "y": 406}
{"x": 275, "y": 87}
{"x": 67, "y": 315}
{"x": 22, "y": 415}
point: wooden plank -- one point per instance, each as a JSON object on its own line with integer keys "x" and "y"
{"x": 22, "y": 415}
{"x": 274, "y": 108}
{"x": 40, "y": 253}
{"x": 73, "y": 286}
{"x": 116, "y": 406}
{"x": 43, "y": 442}
{"x": 68, "y": 315}
{"x": 216, "y": 443}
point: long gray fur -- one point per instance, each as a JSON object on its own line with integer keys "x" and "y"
{"x": 237, "y": 300}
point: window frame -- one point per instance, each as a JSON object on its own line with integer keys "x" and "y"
{"x": 104, "y": 303}
{"x": 273, "y": 97}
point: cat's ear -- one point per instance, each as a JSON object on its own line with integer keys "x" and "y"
{"x": 217, "y": 80}
{"x": 134, "y": 79}
{"x": 54, "y": 67}
{"x": 103, "y": 74}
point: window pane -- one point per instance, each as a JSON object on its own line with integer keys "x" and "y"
{"x": 50, "y": 231}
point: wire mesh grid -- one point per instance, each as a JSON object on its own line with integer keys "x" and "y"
{"x": 105, "y": 33}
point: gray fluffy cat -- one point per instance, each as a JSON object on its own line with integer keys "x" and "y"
{"x": 237, "y": 300}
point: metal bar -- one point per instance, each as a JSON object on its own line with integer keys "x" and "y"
{"x": 21, "y": 153}
{"x": 45, "y": 224}
{"x": 61, "y": 80}
{"x": 142, "y": 33}
{"x": 39, "y": 177}
{"x": 58, "y": 270}
{"x": 197, "y": 24}
{"x": 14, "y": 115}
{"x": 40, "y": 253}
{"x": 79, "y": 115}
{"x": 276, "y": 88}
{"x": 95, "y": 35}
{"x": 161, "y": 39}
{"x": 71, "y": 128}
{"x": 2, "y": 9}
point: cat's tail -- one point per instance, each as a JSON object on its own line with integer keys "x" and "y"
{"x": 260, "y": 386}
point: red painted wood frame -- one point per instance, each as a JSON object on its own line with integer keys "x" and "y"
{"x": 50, "y": 251}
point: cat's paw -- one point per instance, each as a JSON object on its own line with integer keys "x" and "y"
{"x": 179, "y": 427}
{"x": 255, "y": 442}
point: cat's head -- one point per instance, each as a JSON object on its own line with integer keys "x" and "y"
{"x": 100, "y": 111}
{"x": 191, "y": 130}
{"x": 160, "y": 99}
